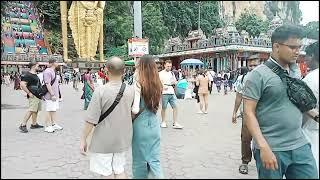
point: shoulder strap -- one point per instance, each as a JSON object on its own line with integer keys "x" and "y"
{"x": 243, "y": 77}
{"x": 275, "y": 68}
{"x": 115, "y": 103}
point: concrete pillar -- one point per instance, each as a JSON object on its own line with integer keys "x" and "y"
{"x": 101, "y": 44}
{"x": 64, "y": 14}
{"x": 137, "y": 19}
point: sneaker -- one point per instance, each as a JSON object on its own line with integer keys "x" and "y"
{"x": 164, "y": 125}
{"x": 35, "y": 126}
{"x": 177, "y": 126}
{"x": 57, "y": 127}
{"x": 206, "y": 112}
{"x": 23, "y": 128}
{"x": 199, "y": 112}
{"x": 49, "y": 129}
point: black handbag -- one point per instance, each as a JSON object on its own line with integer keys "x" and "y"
{"x": 298, "y": 91}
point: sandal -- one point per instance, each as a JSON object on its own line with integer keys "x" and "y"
{"x": 243, "y": 169}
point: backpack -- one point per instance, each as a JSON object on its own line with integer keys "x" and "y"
{"x": 42, "y": 90}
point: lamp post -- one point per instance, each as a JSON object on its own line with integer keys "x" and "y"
{"x": 199, "y": 16}
{"x": 137, "y": 19}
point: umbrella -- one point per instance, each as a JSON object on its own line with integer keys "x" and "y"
{"x": 129, "y": 63}
{"x": 191, "y": 62}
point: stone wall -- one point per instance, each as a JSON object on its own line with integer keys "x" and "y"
{"x": 233, "y": 9}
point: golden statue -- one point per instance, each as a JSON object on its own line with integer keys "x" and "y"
{"x": 86, "y": 23}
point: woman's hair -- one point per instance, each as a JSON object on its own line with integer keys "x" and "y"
{"x": 225, "y": 76}
{"x": 202, "y": 72}
{"x": 151, "y": 86}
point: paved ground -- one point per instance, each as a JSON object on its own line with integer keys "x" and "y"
{"x": 208, "y": 146}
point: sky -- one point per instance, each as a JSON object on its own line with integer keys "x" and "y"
{"x": 310, "y": 11}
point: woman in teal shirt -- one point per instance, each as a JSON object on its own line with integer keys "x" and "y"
{"x": 146, "y": 127}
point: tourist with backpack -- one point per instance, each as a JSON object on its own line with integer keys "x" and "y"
{"x": 30, "y": 84}
{"x": 51, "y": 80}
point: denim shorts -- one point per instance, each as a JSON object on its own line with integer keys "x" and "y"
{"x": 169, "y": 98}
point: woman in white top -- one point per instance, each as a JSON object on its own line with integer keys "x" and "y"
{"x": 146, "y": 127}
{"x": 310, "y": 126}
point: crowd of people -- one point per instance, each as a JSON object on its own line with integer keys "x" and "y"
{"x": 121, "y": 110}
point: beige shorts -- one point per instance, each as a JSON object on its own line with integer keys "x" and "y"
{"x": 51, "y": 105}
{"x": 34, "y": 104}
{"x": 105, "y": 164}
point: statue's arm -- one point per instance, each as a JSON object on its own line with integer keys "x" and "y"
{"x": 101, "y": 4}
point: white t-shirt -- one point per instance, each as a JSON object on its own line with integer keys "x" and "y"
{"x": 310, "y": 127}
{"x": 312, "y": 80}
{"x": 167, "y": 79}
{"x": 40, "y": 76}
{"x": 211, "y": 75}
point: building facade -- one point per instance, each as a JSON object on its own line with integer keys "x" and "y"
{"x": 226, "y": 49}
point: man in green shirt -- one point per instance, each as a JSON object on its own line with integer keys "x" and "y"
{"x": 280, "y": 147}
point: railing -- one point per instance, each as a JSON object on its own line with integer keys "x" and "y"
{"x": 218, "y": 42}
{"x": 29, "y": 57}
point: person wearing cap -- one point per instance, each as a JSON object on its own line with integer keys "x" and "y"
{"x": 29, "y": 84}
{"x": 246, "y": 138}
{"x": 51, "y": 79}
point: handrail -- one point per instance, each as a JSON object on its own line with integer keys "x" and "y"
{"x": 29, "y": 57}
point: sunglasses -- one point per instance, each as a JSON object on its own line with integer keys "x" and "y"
{"x": 293, "y": 47}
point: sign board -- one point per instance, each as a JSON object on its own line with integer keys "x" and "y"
{"x": 138, "y": 47}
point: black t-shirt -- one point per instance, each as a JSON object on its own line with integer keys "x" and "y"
{"x": 32, "y": 80}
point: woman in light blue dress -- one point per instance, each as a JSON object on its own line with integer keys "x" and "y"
{"x": 146, "y": 126}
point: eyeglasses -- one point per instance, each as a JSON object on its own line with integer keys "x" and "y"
{"x": 293, "y": 47}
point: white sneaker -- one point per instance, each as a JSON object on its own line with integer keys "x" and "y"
{"x": 60, "y": 100}
{"x": 206, "y": 112}
{"x": 177, "y": 126}
{"x": 199, "y": 112}
{"x": 57, "y": 127}
{"x": 49, "y": 129}
{"x": 163, "y": 125}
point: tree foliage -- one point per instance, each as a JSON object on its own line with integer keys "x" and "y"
{"x": 51, "y": 14}
{"x": 153, "y": 27}
{"x": 182, "y": 16}
{"x": 252, "y": 24}
{"x": 55, "y": 41}
{"x": 311, "y": 30}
